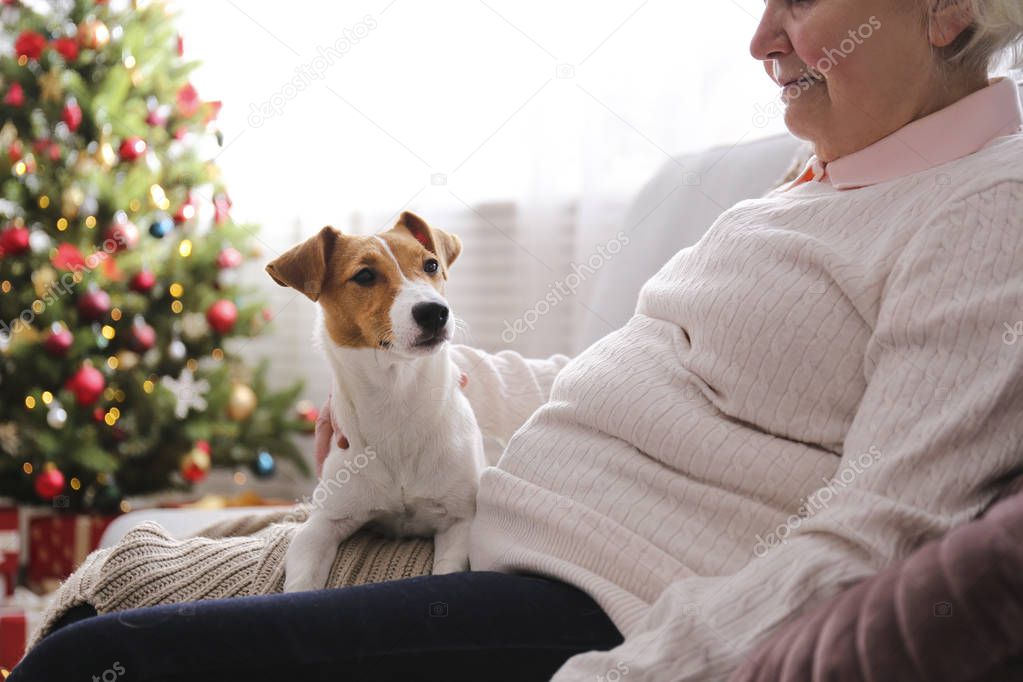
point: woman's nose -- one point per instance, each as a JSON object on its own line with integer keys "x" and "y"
{"x": 770, "y": 41}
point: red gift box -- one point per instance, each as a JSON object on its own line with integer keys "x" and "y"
{"x": 10, "y": 547}
{"x": 13, "y": 636}
{"x": 58, "y": 545}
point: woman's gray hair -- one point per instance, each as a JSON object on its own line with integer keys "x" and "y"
{"x": 996, "y": 31}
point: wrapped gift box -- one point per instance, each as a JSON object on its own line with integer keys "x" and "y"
{"x": 13, "y": 635}
{"x": 58, "y": 544}
{"x": 10, "y": 548}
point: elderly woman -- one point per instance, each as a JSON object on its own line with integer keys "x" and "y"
{"x": 803, "y": 397}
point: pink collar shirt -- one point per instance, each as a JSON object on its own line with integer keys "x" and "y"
{"x": 960, "y": 129}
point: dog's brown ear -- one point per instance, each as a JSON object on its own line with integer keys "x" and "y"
{"x": 438, "y": 242}
{"x": 304, "y": 267}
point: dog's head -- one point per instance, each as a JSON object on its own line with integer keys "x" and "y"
{"x": 383, "y": 291}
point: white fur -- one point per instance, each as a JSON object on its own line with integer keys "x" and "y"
{"x": 415, "y": 455}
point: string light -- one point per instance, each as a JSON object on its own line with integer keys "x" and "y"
{"x": 176, "y": 290}
{"x": 22, "y": 60}
{"x": 27, "y": 467}
{"x": 134, "y": 205}
{"x": 75, "y": 483}
{"x": 108, "y": 332}
{"x": 102, "y": 478}
{"x": 148, "y": 386}
{"x": 185, "y": 248}
{"x": 112, "y": 362}
{"x": 192, "y": 364}
{"x": 30, "y": 402}
{"x": 217, "y": 354}
{"x": 5, "y": 286}
{"x": 177, "y": 307}
{"x": 115, "y": 314}
{"x": 20, "y": 168}
{"x": 47, "y": 397}
{"x": 125, "y": 507}
{"x": 44, "y": 201}
{"x": 90, "y": 222}
{"x": 62, "y": 224}
{"x": 38, "y": 306}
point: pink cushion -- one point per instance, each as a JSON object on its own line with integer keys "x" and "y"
{"x": 953, "y": 610}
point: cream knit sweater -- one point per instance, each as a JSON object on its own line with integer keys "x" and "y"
{"x": 822, "y": 383}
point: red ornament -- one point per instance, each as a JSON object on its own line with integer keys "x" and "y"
{"x": 67, "y": 47}
{"x": 13, "y": 241}
{"x": 188, "y": 100}
{"x": 49, "y": 483}
{"x": 14, "y": 151}
{"x": 58, "y": 342}
{"x": 86, "y": 384}
{"x": 157, "y": 117}
{"x": 132, "y": 148}
{"x": 195, "y": 465}
{"x": 99, "y": 415}
{"x": 185, "y": 212}
{"x": 68, "y": 257}
{"x": 94, "y": 305}
{"x": 229, "y": 258}
{"x": 222, "y": 315}
{"x": 30, "y": 44}
{"x": 143, "y": 281}
{"x": 204, "y": 445}
{"x": 123, "y": 234}
{"x": 72, "y": 115}
{"x": 221, "y": 208}
{"x": 48, "y": 147}
{"x": 143, "y": 337}
{"x": 15, "y": 96}
{"x": 308, "y": 413}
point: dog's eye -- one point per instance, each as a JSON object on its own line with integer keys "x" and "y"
{"x": 431, "y": 265}
{"x": 365, "y": 277}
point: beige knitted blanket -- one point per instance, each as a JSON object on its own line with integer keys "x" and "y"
{"x": 232, "y": 558}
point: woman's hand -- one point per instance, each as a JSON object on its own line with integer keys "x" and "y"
{"x": 326, "y": 428}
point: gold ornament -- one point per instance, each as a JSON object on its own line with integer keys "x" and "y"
{"x": 8, "y": 134}
{"x": 105, "y": 155}
{"x": 242, "y": 402}
{"x": 22, "y": 334}
{"x": 158, "y": 198}
{"x": 93, "y": 34}
{"x": 71, "y": 201}
{"x": 42, "y": 278}
{"x": 9, "y": 440}
{"x": 127, "y": 360}
{"x": 50, "y": 87}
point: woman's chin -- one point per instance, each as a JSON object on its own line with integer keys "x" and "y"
{"x": 803, "y": 121}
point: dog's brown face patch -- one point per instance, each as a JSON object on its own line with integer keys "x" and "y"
{"x": 357, "y": 279}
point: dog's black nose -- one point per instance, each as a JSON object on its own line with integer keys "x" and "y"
{"x": 430, "y": 316}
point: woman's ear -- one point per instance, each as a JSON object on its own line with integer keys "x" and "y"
{"x": 947, "y": 20}
{"x": 304, "y": 267}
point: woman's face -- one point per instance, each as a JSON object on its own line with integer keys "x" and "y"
{"x": 867, "y": 68}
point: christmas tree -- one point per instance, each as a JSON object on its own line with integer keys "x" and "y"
{"x": 119, "y": 269}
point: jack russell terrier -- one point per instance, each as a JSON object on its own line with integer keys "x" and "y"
{"x": 384, "y": 326}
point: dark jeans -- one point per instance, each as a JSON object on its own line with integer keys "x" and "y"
{"x": 463, "y": 626}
